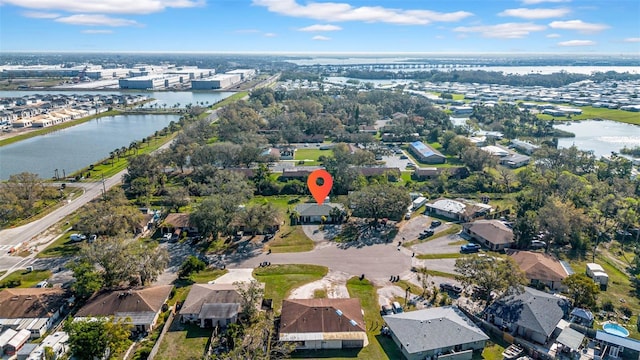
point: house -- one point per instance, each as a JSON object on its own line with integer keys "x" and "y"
{"x": 525, "y": 146}
{"x": 211, "y": 305}
{"x": 58, "y": 342}
{"x": 439, "y": 332}
{"x": 495, "y": 150}
{"x": 616, "y": 347}
{"x": 515, "y": 161}
{"x": 314, "y": 213}
{"x": 5, "y": 336}
{"x": 32, "y": 309}
{"x": 426, "y": 154}
{"x": 540, "y": 268}
{"x": 295, "y": 174}
{"x": 459, "y": 209}
{"x": 493, "y": 234}
{"x": 531, "y": 315}
{"x": 421, "y": 174}
{"x": 177, "y": 223}
{"x": 392, "y": 174}
{"x": 323, "y": 323}
{"x": 139, "y": 307}
{"x": 17, "y": 342}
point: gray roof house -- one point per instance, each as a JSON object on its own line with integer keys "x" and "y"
{"x": 313, "y": 213}
{"x": 532, "y": 315}
{"x": 438, "y": 331}
{"x": 493, "y": 234}
{"x": 211, "y": 304}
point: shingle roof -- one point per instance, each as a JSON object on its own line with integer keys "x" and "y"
{"x": 313, "y": 209}
{"x": 538, "y": 266}
{"x": 533, "y": 309}
{"x": 433, "y": 328}
{"x": 494, "y": 231}
{"x": 30, "y": 302}
{"x": 178, "y": 220}
{"x": 206, "y": 300}
{"x": 108, "y": 303}
{"x": 321, "y": 316}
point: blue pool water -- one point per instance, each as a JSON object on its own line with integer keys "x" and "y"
{"x": 615, "y": 329}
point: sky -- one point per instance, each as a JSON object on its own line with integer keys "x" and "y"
{"x": 337, "y": 26}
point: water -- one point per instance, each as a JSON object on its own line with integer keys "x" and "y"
{"x": 601, "y": 137}
{"x": 79, "y": 146}
{"x": 170, "y": 98}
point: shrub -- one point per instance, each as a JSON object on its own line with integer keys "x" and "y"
{"x": 626, "y": 310}
{"x": 190, "y": 265}
{"x": 607, "y": 305}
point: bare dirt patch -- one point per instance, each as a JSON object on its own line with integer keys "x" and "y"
{"x": 333, "y": 284}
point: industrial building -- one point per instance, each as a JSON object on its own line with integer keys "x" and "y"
{"x": 188, "y": 73}
{"x": 152, "y": 82}
{"x": 219, "y": 81}
{"x": 245, "y": 74}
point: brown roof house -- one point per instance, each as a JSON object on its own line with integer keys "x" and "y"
{"x": 177, "y": 223}
{"x": 323, "y": 323}
{"x": 140, "y": 307}
{"x": 211, "y": 305}
{"x": 493, "y": 234}
{"x": 33, "y": 309}
{"x": 540, "y": 268}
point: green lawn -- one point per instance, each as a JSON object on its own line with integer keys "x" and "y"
{"x": 281, "y": 279}
{"x": 289, "y": 238}
{"x": 207, "y": 275}
{"x": 310, "y": 154}
{"x": 589, "y": 112}
{"x": 183, "y": 342}
{"x": 60, "y": 248}
{"x": 438, "y": 256}
{"x": 441, "y": 274}
{"x": 27, "y": 279}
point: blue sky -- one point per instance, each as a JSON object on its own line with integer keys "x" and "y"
{"x": 442, "y": 26}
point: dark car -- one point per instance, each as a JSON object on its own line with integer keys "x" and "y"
{"x": 386, "y": 310}
{"x": 469, "y": 248}
{"x": 436, "y": 223}
{"x": 425, "y": 234}
{"x": 448, "y": 287}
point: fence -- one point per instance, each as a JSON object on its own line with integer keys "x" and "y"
{"x": 165, "y": 328}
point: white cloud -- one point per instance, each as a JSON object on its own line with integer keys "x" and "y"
{"x": 96, "y": 20}
{"x": 535, "y": 13}
{"x": 92, "y": 31}
{"x": 553, "y": 36}
{"x": 502, "y": 31}
{"x": 632, "y": 40}
{"x": 533, "y": 2}
{"x": 334, "y": 12}
{"x": 40, "y": 15}
{"x": 320, "y": 38}
{"x": 320, "y": 27}
{"x": 105, "y": 6}
{"x": 577, "y": 43}
{"x": 578, "y": 25}
{"x": 270, "y": 35}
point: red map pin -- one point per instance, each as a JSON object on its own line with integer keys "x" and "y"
{"x": 320, "y": 192}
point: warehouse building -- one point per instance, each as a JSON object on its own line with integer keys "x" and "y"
{"x": 150, "y": 82}
{"x": 220, "y": 81}
{"x": 245, "y": 74}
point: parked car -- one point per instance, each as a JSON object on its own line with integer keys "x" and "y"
{"x": 538, "y": 244}
{"x": 77, "y": 237}
{"x": 436, "y": 223}
{"x": 407, "y": 216}
{"x": 426, "y": 233}
{"x": 386, "y": 310}
{"x": 469, "y": 248}
{"x": 396, "y": 307}
{"x": 450, "y": 288}
{"x": 403, "y": 157}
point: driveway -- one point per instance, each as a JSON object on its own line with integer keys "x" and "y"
{"x": 377, "y": 262}
{"x": 441, "y": 245}
{"x": 411, "y": 229}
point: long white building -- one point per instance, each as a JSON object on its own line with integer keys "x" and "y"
{"x": 219, "y": 81}
{"x": 150, "y": 82}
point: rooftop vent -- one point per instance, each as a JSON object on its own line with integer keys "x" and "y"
{"x": 353, "y": 322}
{"x": 339, "y": 312}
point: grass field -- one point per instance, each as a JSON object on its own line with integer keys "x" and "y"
{"x": 310, "y": 156}
{"x": 589, "y": 112}
{"x": 281, "y": 279}
{"x": 60, "y": 248}
{"x": 289, "y": 238}
{"x": 27, "y": 279}
{"x": 183, "y": 342}
{"x": 438, "y": 256}
{"x": 207, "y": 275}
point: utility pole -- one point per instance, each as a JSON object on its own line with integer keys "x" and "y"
{"x": 104, "y": 189}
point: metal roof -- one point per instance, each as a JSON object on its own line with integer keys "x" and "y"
{"x": 570, "y": 338}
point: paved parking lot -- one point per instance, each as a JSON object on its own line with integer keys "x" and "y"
{"x": 411, "y": 229}
{"x": 441, "y": 245}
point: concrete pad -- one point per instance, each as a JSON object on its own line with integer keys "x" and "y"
{"x": 334, "y": 283}
{"x": 241, "y": 275}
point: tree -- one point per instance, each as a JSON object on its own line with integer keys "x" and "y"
{"x": 423, "y": 277}
{"x": 88, "y": 279}
{"x": 477, "y": 159}
{"x": 380, "y": 201}
{"x": 582, "y": 290}
{"x": 257, "y": 218}
{"x": 250, "y": 293}
{"x": 150, "y": 260}
{"x": 191, "y": 265}
{"x": 214, "y": 214}
{"x": 176, "y": 198}
{"x": 94, "y": 338}
{"x": 492, "y": 275}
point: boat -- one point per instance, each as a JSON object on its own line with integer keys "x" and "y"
{"x": 512, "y": 352}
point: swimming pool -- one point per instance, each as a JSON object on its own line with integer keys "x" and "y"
{"x": 615, "y": 329}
